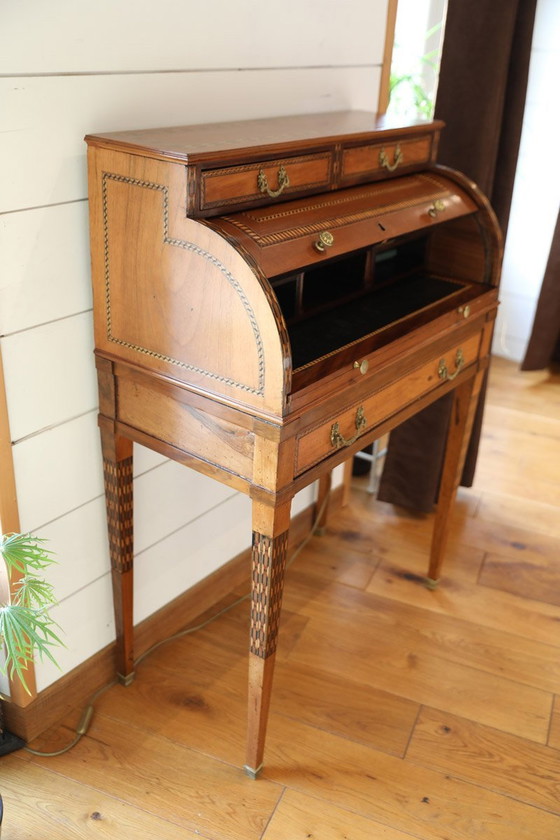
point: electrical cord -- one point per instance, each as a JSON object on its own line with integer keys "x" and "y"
{"x": 87, "y": 714}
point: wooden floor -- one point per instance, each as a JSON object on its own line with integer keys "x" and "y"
{"x": 398, "y": 713}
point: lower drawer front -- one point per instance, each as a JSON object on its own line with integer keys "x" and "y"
{"x": 350, "y": 424}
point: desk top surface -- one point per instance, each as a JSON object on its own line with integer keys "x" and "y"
{"x": 197, "y": 143}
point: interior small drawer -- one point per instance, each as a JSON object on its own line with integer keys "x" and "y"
{"x": 377, "y": 159}
{"x": 345, "y": 428}
{"x": 266, "y": 180}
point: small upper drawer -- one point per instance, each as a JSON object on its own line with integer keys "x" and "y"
{"x": 266, "y": 180}
{"x": 379, "y": 159}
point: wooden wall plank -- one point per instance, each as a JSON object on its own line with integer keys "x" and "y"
{"x": 44, "y": 266}
{"x": 52, "y": 114}
{"x": 129, "y": 36}
{"x": 50, "y": 374}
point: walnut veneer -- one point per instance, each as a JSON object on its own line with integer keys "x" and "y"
{"x": 270, "y": 297}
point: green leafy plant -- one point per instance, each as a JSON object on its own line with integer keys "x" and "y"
{"x": 25, "y": 623}
{"x": 407, "y": 86}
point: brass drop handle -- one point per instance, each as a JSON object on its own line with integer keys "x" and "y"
{"x": 338, "y": 440}
{"x": 398, "y": 157}
{"x": 324, "y": 241}
{"x": 283, "y": 182}
{"x": 436, "y": 208}
{"x": 443, "y": 372}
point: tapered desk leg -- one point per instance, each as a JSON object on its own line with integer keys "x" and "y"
{"x": 270, "y": 545}
{"x": 117, "y": 468}
{"x": 465, "y": 398}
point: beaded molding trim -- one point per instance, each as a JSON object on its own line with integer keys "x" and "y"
{"x": 118, "y": 497}
{"x": 269, "y": 560}
{"x": 187, "y": 246}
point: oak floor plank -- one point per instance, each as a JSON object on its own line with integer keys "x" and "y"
{"x": 554, "y": 734}
{"x": 409, "y": 798}
{"x": 497, "y": 651}
{"x": 393, "y": 660}
{"x": 532, "y": 392}
{"x": 210, "y": 716}
{"x": 169, "y": 780}
{"x": 40, "y": 804}
{"x": 301, "y": 817}
{"x": 526, "y": 577}
{"x": 487, "y": 607}
{"x": 328, "y": 560}
{"x": 511, "y": 510}
{"x": 504, "y": 763}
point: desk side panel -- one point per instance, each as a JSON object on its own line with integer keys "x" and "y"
{"x": 171, "y": 295}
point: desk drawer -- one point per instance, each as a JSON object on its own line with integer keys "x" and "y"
{"x": 377, "y": 159}
{"x": 270, "y": 179}
{"x": 346, "y": 427}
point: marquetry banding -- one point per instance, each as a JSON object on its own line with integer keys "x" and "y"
{"x": 187, "y": 246}
{"x": 269, "y": 560}
{"x": 301, "y": 230}
{"x": 119, "y": 501}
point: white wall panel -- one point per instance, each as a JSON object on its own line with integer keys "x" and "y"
{"x": 168, "y": 568}
{"x": 87, "y": 625}
{"x": 168, "y": 497}
{"x": 80, "y": 546}
{"x": 50, "y": 374}
{"x": 57, "y": 471}
{"x": 43, "y": 120}
{"x": 145, "y": 459}
{"x": 131, "y": 35}
{"x": 44, "y": 265}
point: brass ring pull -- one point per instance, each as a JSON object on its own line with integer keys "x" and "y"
{"x": 436, "y": 208}
{"x": 283, "y": 182}
{"x": 338, "y": 440}
{"x": 325, "y": 240}
{"x": 398, "y": 157}
{"x": 443, "y": 372}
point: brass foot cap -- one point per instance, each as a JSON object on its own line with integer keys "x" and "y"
{"x": 431, "y": 583}
{"x": 126, "y": 679}
{"x": 252, "y": 773}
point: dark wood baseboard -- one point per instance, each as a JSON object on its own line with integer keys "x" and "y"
{"x": 74, "y": 689}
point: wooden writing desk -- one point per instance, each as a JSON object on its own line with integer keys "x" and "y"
{"x": 269, "y": 298}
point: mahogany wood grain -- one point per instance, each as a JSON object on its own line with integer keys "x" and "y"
{"x": 201, "y": 358}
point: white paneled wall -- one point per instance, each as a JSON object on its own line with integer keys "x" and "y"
{"x": 536, "y": 196}
{"x": 69, "y": 68}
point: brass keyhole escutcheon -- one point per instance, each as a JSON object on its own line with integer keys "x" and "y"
{"x": 325, "y": 240}
{"x": 362, "y": 366}
{"x": 436, "y": 208}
